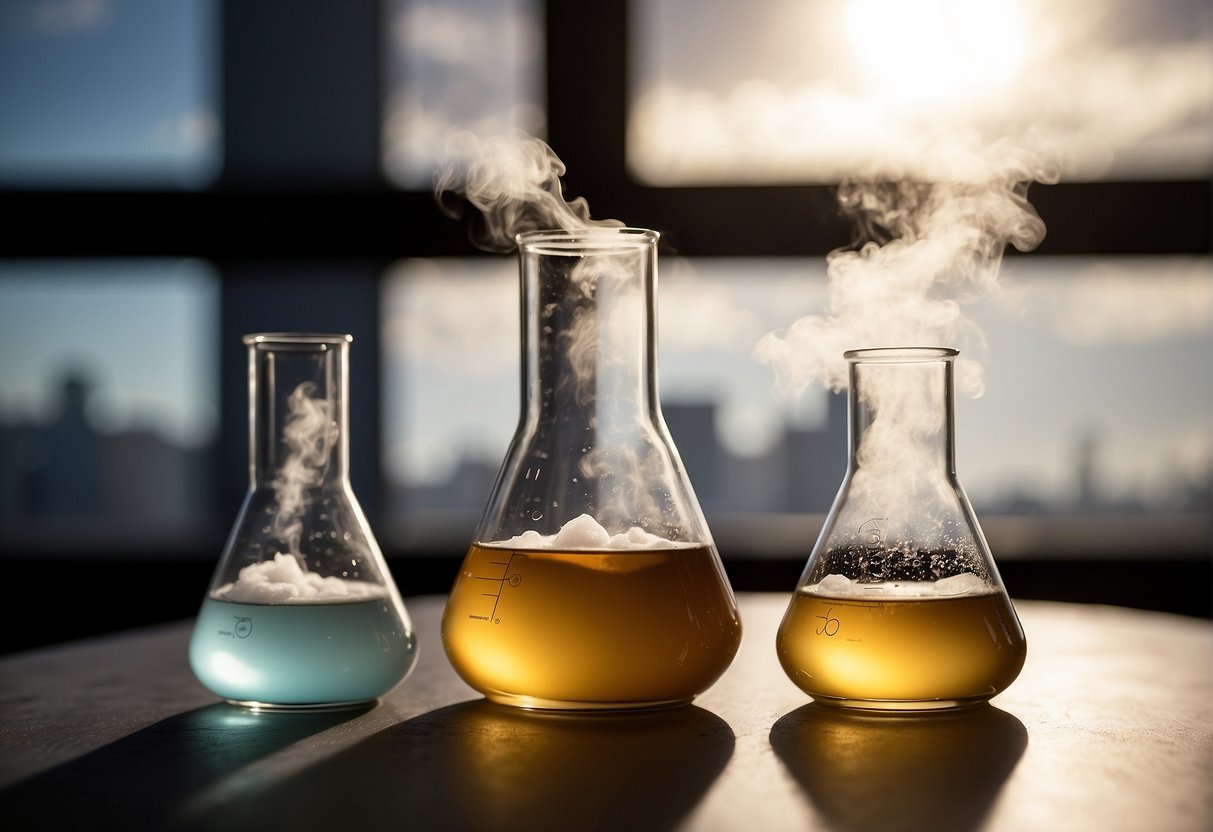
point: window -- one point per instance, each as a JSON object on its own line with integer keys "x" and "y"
{"x": 278, "y": 178}
{"x": 1097, "y": 469}
{"x": 1078, "y": 431}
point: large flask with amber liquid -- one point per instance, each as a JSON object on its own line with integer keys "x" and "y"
{"x": 592, "y": 581}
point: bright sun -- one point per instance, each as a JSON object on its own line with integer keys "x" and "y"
{"x": 924, "y": 50}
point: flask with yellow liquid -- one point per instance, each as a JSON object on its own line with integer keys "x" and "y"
{"x": 900, "y": 606}
{"x": 592, "y": 581}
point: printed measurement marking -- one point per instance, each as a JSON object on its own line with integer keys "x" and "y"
{"x": 830, "y": 625}
{"x": 873, "y": 532}
{"x": 242, "y": 629}
{"x": 506, "y": 577}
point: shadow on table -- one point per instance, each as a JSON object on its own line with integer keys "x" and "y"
{"x": 480, "y": 766}
{"x": 141, "y": 781}
{"x": 868, "y": 772}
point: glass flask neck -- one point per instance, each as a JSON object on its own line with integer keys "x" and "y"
{"x": 902, "y": 410}
{"x": 298, "y": 412}
{"x": 588, "y": 351}
{"x": 591, "y": 444}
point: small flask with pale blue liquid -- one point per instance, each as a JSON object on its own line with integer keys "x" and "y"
{"x": 302, "y": 611}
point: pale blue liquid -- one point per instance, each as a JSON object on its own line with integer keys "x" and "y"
{"x": 301, "y": 655}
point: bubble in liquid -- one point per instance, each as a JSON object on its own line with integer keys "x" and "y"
{"x": 936, "y": 565}
{"x": 872, "y": 568}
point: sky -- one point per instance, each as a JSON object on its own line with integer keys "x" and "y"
{"x": 812, "y": 91}
{"x": 457, "y": 64}
{"x": 97, "y": 92}
{"x": 144, "y": 333}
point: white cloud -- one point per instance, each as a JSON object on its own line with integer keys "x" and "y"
{"x": 198, "y": 129}
{"x": 1111, "y": 304}
{"x": 465, "y": 37}
{"x": 64, "y": 17}
{"x": 453, "y": 315}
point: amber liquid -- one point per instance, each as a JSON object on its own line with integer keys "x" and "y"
{"x": 591, "y": 630}
{"x": 901, "y": 653}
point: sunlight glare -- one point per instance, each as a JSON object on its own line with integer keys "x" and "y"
{"x": 915, "y": 51}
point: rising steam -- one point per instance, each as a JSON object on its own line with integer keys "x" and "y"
{"x": 309, "y": 434}
{"x": 923, "y": 250}
{"x": 514, "y": 181}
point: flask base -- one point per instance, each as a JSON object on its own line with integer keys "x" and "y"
{"x": 535, "y": 703}
{"x": 306, "y": 708}
{"x": 901, "y": 705}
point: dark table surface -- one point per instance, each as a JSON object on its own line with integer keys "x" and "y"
{"x": 1107, "y": 728}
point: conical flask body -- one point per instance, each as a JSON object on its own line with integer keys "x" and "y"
{"x": 592, "y": 580}
{"x": 900, "y": 605}
{"x": 302, "y": 610}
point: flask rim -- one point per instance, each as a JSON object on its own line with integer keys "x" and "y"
{"x": 321, "y": 339}
{"x": 901, "y": 354}
{"x": 593, "y": 238}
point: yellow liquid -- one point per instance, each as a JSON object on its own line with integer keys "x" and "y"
{"x": 595, "y": 629}
{"x": 901, "y": 654}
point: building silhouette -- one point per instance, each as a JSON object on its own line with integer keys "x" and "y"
{"x": 65, "y": 469}
{"x": 803, "y": 471}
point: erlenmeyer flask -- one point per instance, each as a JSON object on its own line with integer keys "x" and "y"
{"x": 592, "y": 580}
{"x": 302, "y": 611}
{"x": 900, "y": 606}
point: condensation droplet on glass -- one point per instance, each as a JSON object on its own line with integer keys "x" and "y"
{"x": 536, "y": 515}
